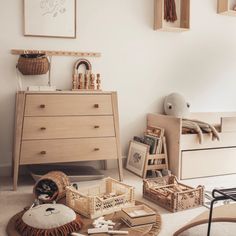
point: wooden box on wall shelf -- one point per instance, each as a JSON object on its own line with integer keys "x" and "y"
{"x": 182, "y": 22}
{"x": 226, "y": 7}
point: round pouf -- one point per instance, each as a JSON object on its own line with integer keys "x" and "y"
{"x": 48, "y": 219}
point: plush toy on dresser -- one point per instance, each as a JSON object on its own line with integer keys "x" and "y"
{"x": 176, "y": 105}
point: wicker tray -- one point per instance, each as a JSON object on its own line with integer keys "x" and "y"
{"x": 172, "y": 195}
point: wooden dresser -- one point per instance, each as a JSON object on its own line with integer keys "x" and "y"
{"x": 65, "y": 126}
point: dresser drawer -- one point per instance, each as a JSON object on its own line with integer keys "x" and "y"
{"x": 67, "y": 150}
{"x": 68, "y": 127}
{"x": 68, "y": 104}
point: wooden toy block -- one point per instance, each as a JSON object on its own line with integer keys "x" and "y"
{"x": 98, "y": 81}
{"x": 92, "y": 80}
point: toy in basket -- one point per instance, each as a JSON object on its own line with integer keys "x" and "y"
{"x": 172, "y": 195}
{"x": 51, "y": 186}
{"x": 108, "y": 197}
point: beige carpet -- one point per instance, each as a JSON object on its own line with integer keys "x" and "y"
{"x": 218, "y": 229}
{"x": 12, "y": 202}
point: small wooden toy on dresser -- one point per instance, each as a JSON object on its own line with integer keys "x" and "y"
{"x": 86, "y": 80}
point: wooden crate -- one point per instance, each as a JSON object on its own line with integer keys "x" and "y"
{"x": 172, "y": 195}
{"x": 108, "y": 197}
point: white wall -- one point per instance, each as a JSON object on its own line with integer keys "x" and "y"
{"x": 141, "y": 64}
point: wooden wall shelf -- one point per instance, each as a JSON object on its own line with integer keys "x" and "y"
{"x": 56, "y": 53}
{"x": 225, "y": 7}
{"x": 183, "y": 12}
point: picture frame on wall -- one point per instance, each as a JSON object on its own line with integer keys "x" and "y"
{"x": 137, "y": 157}
{"x": 50, "y": 18}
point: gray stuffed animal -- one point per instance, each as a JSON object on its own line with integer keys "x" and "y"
{"x": 176, "y": 105}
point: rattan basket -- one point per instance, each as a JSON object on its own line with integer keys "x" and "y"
{"x": 57, "y": 179}
{"x": 33, "y": 64}
{"x": 172, "y": 195}
{"x": 91, "y": 202}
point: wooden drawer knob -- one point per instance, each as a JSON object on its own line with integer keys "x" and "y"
{"x": 96, "y": 149}
{"x": 96, "y": 105}
{"x": 43, "y": 152}
{"x": 43, "y": 128}
{"x": 96, "y": 126}
{"x": 42, "y": 106}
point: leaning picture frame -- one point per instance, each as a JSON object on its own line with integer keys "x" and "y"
{"x": 137, "y": 157}
{"x": 44, "y": 18}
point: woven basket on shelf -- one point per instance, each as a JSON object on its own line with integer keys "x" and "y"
{"x": 33, "y": 64}
{"x": 58, "y": 179}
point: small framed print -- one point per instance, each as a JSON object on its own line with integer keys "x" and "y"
{"x": 137, "y": 157}
{"x": 50, "y": 18}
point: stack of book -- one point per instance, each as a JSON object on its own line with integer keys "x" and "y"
{"x": 153, "y": 136}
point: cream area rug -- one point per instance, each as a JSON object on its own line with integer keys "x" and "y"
{"x": 217, "y": 229}
{"x": 224, "y": 218}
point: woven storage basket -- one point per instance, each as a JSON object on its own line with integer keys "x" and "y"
{"x": 91, "y": 201}
{"x": 56, "y": 178}
{"x": 172, "y": 195}
{"x": 33, "y": 64}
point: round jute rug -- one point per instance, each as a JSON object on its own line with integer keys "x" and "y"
{"x": 147, "y": 230}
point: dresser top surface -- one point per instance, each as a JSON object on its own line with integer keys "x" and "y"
{"x": 67, "y": 92}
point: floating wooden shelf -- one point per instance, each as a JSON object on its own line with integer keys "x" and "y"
{"x": 183, "y": 12}
{"x": 225, "y": 7}
{"x": 55, "y": 53}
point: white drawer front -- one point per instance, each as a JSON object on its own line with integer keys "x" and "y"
{"x": 209, "y": 162}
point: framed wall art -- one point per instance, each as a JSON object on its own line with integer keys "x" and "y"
{"x": 137, "y": 157}
{"x": 50, "y": 18}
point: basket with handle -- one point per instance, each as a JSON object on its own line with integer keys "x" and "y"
{"x": 33, "y": 64}
{"x": 57, "y": 181}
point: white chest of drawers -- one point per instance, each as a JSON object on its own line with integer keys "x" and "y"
{"x": 67, "y": 126}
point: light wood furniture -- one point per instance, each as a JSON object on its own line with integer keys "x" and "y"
{"x": 183, "y": 14}
{"x": 159, "y": 160}
{"x": 65, "y": 126}
{"x": 190, "y": 159}
{"x": 225, "y": 7}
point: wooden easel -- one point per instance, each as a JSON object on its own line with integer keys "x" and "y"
{"x": 160, "y": 160}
